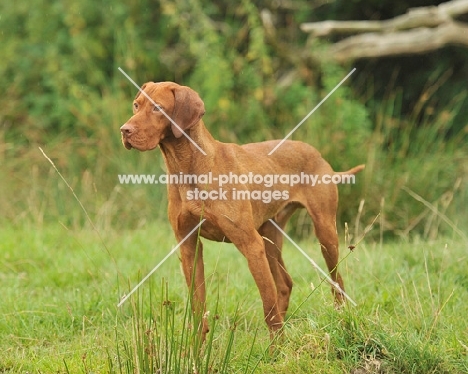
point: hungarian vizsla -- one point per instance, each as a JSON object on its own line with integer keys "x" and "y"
{"x": 172, "y": 121}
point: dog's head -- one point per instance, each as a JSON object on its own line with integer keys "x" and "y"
{"x": 162, "y": 110}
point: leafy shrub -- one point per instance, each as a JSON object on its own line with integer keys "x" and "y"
{"x": 62, "y": 91}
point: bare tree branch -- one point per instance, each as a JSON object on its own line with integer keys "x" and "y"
{"x": 431, "y": 16}
{"x": 420, "y": 40}
{"x": 420, "y": 30}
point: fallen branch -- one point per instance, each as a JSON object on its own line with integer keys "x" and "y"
{"x": 417, "y": 41}
{"x": 420, "y": 30}
{"x": 431, "y": 16}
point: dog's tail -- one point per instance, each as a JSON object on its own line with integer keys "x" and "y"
{"x": 353, "y": 170}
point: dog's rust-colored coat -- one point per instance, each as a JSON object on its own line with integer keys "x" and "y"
{"x": 245, "y": 223}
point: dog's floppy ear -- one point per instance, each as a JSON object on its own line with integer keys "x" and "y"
{"x": 188, "y": 109}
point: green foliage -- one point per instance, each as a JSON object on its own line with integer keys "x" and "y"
{"x": 62, "y": 268}
{"x": 60, "y": 288}
{"x": 63, "y": 92}
{"x": 164, "y": 338}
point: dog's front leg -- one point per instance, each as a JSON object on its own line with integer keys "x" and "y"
{"x": 193, "y": 267}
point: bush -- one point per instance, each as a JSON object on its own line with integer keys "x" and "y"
{"x": 62, "y": 91}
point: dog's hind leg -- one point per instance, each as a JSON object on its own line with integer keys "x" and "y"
{"x": 273, "y": 240}
{"x": 322, "y": 207}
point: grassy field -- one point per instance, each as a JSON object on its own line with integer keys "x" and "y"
{"x": 61, "y": 277}
{"x": 60, "y": 289}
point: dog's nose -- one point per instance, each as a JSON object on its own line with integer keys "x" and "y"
{"x": 127, "y": 129}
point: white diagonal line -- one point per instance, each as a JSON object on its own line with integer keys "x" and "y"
{"x": 158, "y": 265}
{"x": 161, "y": 110}
{"x": 314, "y": 264}
{"x": 312, "y": 111}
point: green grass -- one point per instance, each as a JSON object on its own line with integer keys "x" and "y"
{"x": 60, "y": 289}
{"x": 61, "y": 280}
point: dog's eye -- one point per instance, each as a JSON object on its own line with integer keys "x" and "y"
{"x": 156, "y": 108}
{"x": 135, "y": 106}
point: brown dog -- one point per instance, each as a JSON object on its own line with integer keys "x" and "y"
{"x": 240, "y": 210}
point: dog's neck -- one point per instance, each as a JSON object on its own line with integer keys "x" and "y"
{"x": 181, "y": 155}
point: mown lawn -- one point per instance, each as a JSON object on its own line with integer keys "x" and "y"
{"x": 60, "y": 289}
